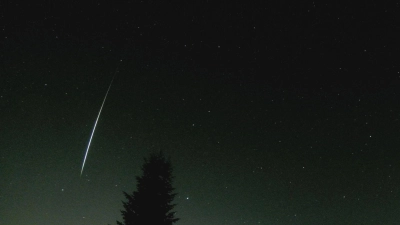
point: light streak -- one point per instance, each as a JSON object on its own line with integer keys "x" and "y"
{"x": 95, "y": 124}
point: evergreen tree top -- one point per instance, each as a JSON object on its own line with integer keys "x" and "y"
{"x": 151, "y": 203}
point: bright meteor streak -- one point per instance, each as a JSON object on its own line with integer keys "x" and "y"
{"x": 95, "y": 124}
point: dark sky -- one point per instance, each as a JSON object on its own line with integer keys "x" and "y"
{"x": 279, "y": 113}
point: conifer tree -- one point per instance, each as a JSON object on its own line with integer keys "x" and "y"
{"x": 151, "y": 203}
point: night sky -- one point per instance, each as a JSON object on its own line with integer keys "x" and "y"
{"x": 272, "y": 113}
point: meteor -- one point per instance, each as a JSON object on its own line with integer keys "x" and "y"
{"x": 95, "y": 124}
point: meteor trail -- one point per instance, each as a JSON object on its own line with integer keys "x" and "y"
{"x": 95, "y": 124}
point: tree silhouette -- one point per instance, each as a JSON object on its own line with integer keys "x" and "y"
{"x": 151, "y": 203}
